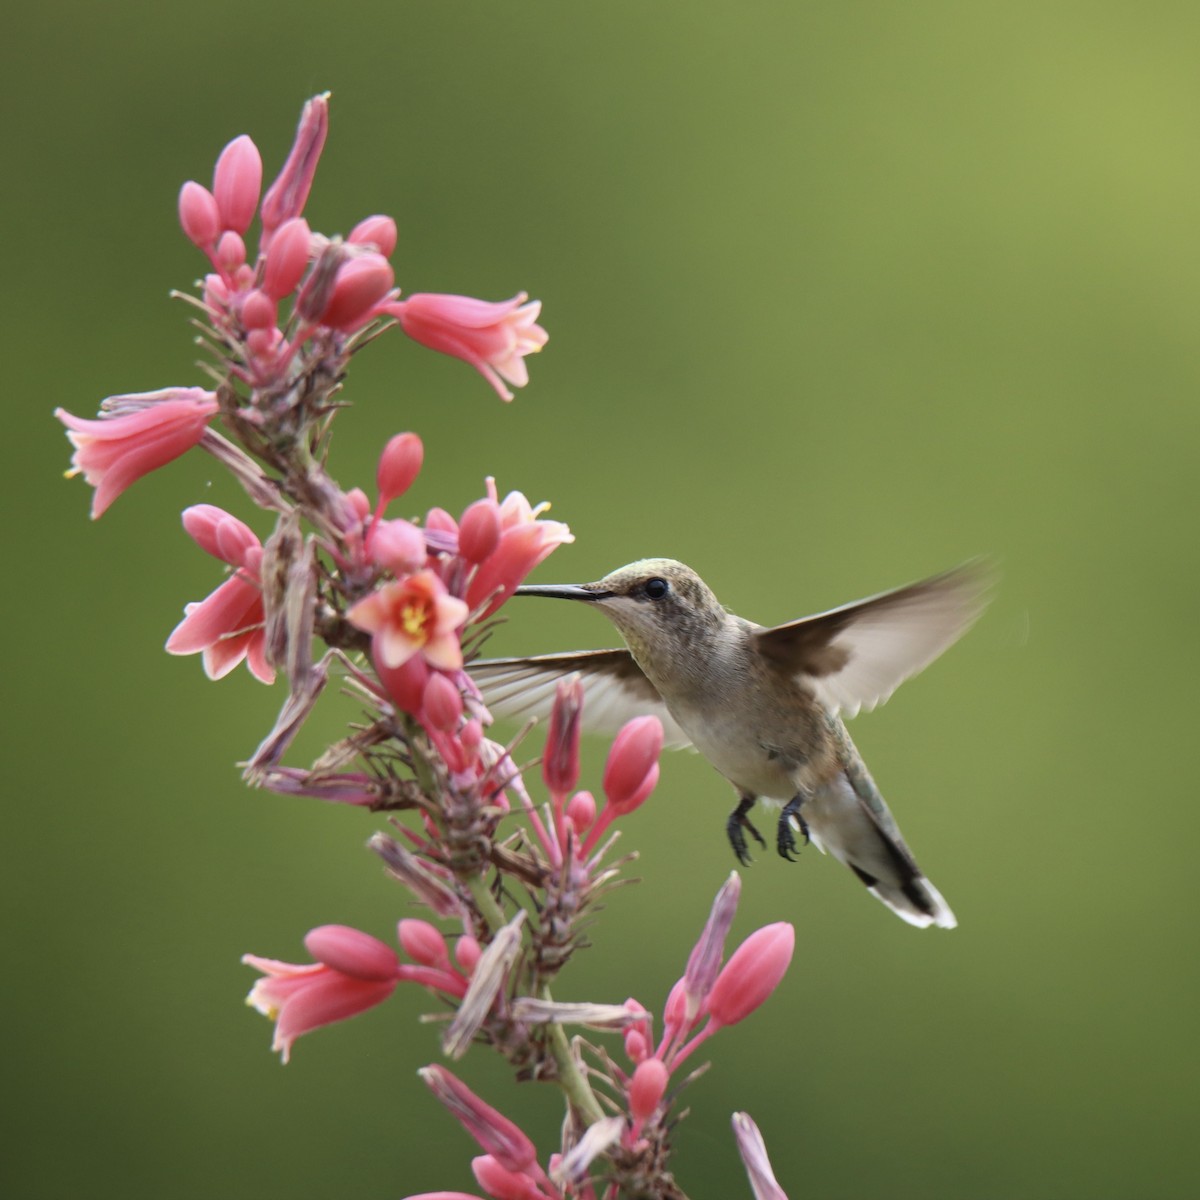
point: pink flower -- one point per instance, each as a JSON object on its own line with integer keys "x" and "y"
{"x": 493, "y": 338}
{"x": 353, "y": 972}
{"x": 227, "y": 626}
{"x": 115, "y": 451}
{"x": 524, "y": 542}
{"x": 751, "y": 974}
{"x": 413, "y": 616}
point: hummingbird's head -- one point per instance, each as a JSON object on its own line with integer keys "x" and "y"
{"x": 657, "y": 604}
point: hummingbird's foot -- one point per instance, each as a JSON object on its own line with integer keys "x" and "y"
{"x": 738, "y": 821}
{"x": 790, "y": 819}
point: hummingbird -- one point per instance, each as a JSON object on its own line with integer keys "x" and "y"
{"x": 763, "y": 704}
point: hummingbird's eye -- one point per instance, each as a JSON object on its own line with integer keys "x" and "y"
{"x": 656, "y": 588}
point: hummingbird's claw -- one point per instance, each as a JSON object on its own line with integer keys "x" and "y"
{"x": 789, "y": 819}
{"x": 739, "y": 821}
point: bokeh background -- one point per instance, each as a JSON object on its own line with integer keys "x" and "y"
{"x": 839, "y": 295}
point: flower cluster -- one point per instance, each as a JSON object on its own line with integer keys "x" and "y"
{"x": 395, "y": 609}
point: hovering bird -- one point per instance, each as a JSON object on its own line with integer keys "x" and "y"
{"x": 763, "y": 705}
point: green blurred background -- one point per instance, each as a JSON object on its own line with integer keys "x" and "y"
{"x": 839, "y": 295}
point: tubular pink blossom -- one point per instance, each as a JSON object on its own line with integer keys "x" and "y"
{"x": 377, "y": 231}
{"x": 287, "y": 196}
{"x": 361, "y": 284}
{"x": 631, "y": 770}
{"x": 198, "y": 215}
{"x": 301, "y": 998}
{"x": 751, "y": 974}
{"x": 522, "y": 546}
{"x": 560, "y": 762}
{"x": 287, "y": 259}
{"x": 114, "y": 452}
{"x": 237, "y": 181}
{"x": 227, "y": 626}
{"x": 399, "y": 466}
{"x": 493, "y": 337}
{"x": 498, "y": 1136}
{"x": 413, "y": 616}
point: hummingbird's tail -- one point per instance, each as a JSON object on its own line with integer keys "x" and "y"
{"x": 865, "y": 837}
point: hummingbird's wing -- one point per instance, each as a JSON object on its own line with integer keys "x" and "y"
{"x": 614, "y": 689}
{"x": 856, "y": 656}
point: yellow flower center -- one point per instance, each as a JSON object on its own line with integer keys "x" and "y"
{"x": 413, "y": 620}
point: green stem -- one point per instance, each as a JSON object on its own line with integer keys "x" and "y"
{"x": 570, "y": 1077}
{"x": 487, "y": 904}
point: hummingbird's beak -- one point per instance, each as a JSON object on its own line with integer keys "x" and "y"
{"x": 563, "y": 591}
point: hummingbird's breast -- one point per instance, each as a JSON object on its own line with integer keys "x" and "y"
{"x": 763, "y": 731}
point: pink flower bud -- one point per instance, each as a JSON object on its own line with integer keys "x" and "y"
{"x": 231, "y": 252}
{"x": 636, "y": 1047}
{"x": 581, "y": 811}
{"x": 498, "y": 1136}
{"x": 237, "y": 181}
{"x": 675, "y": 1015}
{"x": 216, "y": 292}
{"x": 503, "y": 1184}
{"x": 647, "y": 1086}
{"x": 376, "y": 231}
{"x": 439, "y": 520}
{"x": 198, "y": 215}
{"x": 466, "y": 953}
{"x": 361, "y": 284}
{"x": 397, "y": 546}
{"x": 287, "y": 258}
{"x": 352, "y": 952}
{"x": 443, "y": 703}
{"x": 286, "y": 197}
{"x": 358, "y": 504}
{"x": 399, "y": 465}
{"x": 631, "y": 770}
{"x": 263, "y": 344}
{"x": 479, "y": 530}
{"x": 470, "y": 739}
{"x": 560, "y": 762}
{"x": 752, "y": 973}
{"x": 424, "y": 943}
{"x": 258, "y": 310}
{"x": 405, "y": 684}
